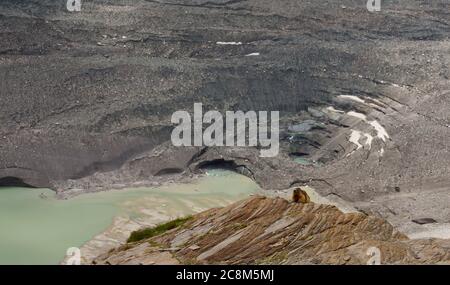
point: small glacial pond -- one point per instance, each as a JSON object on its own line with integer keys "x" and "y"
{"x": 36, "y": 230}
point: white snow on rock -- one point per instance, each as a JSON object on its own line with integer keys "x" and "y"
{"x": 369, "y": 140}
{"x": 376, "y": 103}
{"x": 253, "y": 54}
{"x": 354, "y": 138}
{"x": 332, "y": 109}
{"x": 229, "y": 43}
{"x": 353, "y": 98}
{"x": 357, "y": 115}
{"x": 381, "y": 131}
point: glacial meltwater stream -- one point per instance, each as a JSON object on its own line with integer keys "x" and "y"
{"x": 39, "y": 230}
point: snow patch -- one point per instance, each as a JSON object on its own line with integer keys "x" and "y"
{"x": 354, "y": 138}
{"x": 357, "y": 115}
{"x": 352, "y": 98}
{"x": 253, "y": 54}
{"x": 332, "y": 109}
{"x": 381, "y": 131}
{"x": 369, "y": 140}
{"x": 229, "y": 43}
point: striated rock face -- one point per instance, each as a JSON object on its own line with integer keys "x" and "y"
{"x": 262, "y": 230}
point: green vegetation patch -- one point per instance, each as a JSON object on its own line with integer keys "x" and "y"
{"x": 155, "y": 231}
{"x": 277, "y": 258}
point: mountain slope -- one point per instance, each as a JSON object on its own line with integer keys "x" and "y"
{"x": 262, "y": 230}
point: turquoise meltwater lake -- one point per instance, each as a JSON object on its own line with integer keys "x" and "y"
{"x": 36, "y": 230}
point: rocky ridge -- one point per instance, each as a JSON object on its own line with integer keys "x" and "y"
{"x": 261, "y": 230}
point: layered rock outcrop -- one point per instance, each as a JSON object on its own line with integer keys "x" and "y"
{"x": 261, "y": 230}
